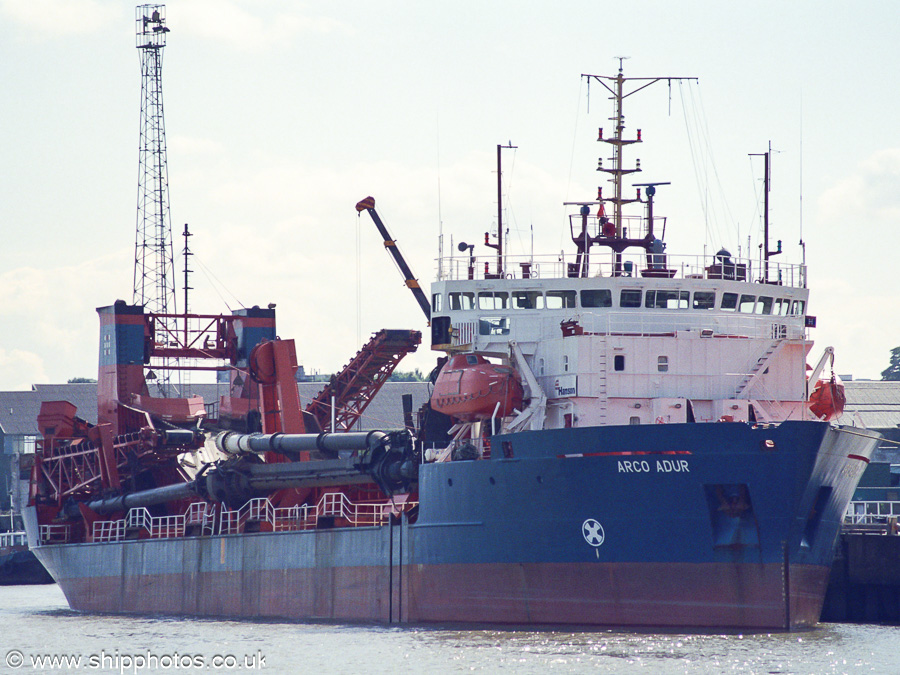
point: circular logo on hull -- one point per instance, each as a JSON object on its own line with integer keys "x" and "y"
{"x": 592, "y": 531}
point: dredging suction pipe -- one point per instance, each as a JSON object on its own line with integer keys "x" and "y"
{"x": 385, "y": 458}
{"x": 134, "y": 500}
{"x": 233, "y": 443}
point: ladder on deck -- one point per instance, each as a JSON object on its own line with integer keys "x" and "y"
{"x": 602, "y": 393}
{"x": 758, "y": 369}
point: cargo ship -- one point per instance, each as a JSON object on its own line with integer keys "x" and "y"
{"x": 616, "y": 436}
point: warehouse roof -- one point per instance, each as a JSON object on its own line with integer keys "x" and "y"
{"x": 19, "y": 409}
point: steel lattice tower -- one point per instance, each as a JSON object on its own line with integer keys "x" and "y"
{"x": 154, "y": 270}
{"x": 154, "y": 278}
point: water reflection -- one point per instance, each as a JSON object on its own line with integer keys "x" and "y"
{"x": 36, "y": 620}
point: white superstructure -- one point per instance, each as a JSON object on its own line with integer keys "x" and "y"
{"x": 630, "y": 334}
{"x": 636, "y": 350}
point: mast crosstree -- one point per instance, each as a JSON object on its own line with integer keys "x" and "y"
{"x": 616, "y": 85}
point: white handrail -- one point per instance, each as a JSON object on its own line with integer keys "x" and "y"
{"x": 871, "y": 512}
{"x": 556, "y": 266}
{"x": 298, "y": 517}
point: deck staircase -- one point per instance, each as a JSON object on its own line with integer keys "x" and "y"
{"x": 751, "y": 378}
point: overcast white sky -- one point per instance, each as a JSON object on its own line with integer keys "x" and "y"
{"x": 282, "y": 114}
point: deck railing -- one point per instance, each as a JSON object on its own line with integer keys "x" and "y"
{"x": 669, "y": 321}
{"x": 55, "y": 534}
{"x": 10, "y": 539}
{"x": 336, "y": 505}
{"x": 290, "y": 518}
{"x": 881, "y": 517}
{"x": 108, "y": 530}
{"x": 206, "y": 519}
{"x": 633, "y": 263}
{"x": 202, "y": 515}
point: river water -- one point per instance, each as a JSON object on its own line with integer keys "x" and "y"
{"x": 39, "y": 633}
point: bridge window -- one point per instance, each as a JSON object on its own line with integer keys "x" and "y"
{"x": 798, "y": 307}
{"x": 667, "y": 299}
{"x": 729, "y": 301}
{"x": 747, "y": 304}
{"x": 630, "y": 298}
{"x": 493, "y": 325}
{"x": 704, "y": 300}
{"x": 436, "y": 303}
{"x": 598, "y": 297}
{"x": 559, "y": 299}
{"x": 619, "y": 362}
{"x": 527, "y": 300}
{"x": 764, "y": 306}
{"x": 782, "y": 307}
{"x": 492, "y": 300}
{"x": 462, "y": 301}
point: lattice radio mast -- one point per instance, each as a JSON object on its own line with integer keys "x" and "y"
{"x": 154, "y": 277}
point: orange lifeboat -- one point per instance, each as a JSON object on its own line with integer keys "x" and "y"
{"x": 469, "y": 387}
{"x": 827, "y": 400}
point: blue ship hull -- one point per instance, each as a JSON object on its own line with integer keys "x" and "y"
{"x": 688, "y": 525}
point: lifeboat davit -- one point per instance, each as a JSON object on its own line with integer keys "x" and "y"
{"x": 827, "y": 400}
{"x": 469, "y": 387}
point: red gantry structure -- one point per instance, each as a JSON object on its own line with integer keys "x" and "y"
{"x": 148, "y": 446}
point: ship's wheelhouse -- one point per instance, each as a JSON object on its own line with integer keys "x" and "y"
{"x": 637, "y": 349}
